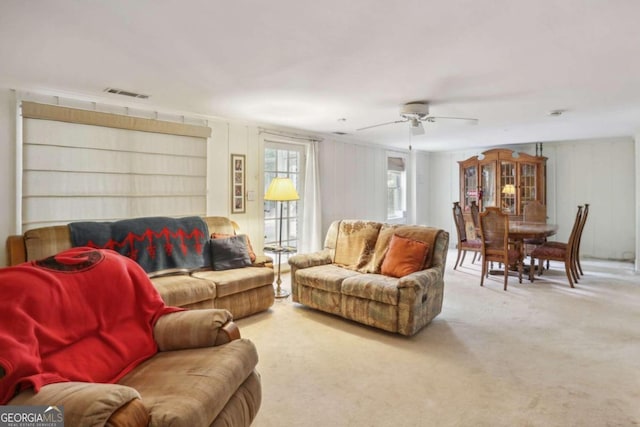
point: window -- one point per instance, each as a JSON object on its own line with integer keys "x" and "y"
{"x": 283, "y": 160}
{"x": 396, "y": 189}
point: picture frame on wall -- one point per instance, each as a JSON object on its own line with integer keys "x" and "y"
{"x": 238, "y": 183}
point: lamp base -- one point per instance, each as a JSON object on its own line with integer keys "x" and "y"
{"x": 282, "y": 293}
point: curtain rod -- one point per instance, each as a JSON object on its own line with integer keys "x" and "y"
{"x": 288, "y": 135}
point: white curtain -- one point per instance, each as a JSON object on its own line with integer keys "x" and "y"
{"x": 312, "y": 239}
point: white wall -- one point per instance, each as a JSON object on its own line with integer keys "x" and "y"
{"x": 423, "y": 186}
{"x": 599, "y": 172}
{"x": 637, "y": 195}
{"x": 352, "y": 181}
{"x": 602, "y": 173}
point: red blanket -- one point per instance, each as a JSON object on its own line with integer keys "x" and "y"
{"x": 83, "y": 315}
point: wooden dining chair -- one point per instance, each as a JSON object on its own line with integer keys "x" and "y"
{"x": 576, "y": 247}
{"x": 534, "y": 211}
{"x": 494, "y": 235}
{"x": 583, "y": 221}
{"x": 560, "y": 251}
{"x": 464, "y": 244}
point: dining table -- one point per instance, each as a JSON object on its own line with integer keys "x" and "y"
{"x": 521, "y": 230}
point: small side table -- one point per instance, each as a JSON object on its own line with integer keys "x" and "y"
{"x": 278, "y": 251}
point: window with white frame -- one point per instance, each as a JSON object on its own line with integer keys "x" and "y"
{"x": 283, "y": 160}
{"x": 396, "y": 188}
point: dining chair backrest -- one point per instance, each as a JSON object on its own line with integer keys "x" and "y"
{"x": 494, "y": 228}
{"x": 576, "y": 245}
{"x": 575, "y": 231}
{"x": 535, "y": 211}
{"x": 458, "y": 218}
{"x": 583, "y": 220}
{"x": 475, "y": 214}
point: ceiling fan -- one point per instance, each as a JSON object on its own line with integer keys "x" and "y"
{"x": 416, "y": 113}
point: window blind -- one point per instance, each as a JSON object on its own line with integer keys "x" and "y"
{"x": 82, "y": 168}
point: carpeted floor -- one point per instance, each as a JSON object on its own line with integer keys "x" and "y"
{"x": 540, "y": 354}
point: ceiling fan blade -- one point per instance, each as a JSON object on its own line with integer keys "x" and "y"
{"x": 382, "y": 124}
{"x": 432, "y": 119}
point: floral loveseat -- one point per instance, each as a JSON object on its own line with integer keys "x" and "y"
{"x": 346, "y": 278}
{"x": 242, "y": 291}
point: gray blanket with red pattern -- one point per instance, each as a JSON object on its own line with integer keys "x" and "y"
{"x": 156, "y": 243}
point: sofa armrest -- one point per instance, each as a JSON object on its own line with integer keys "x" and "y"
{"x": 89, "y": 404}
{"x": 16, "y": 250}
{"x": 263, "y": 261}
{"x": 195, "y": 328}
{"x": 310, "y": 260}
{"x": 420, "y": 280}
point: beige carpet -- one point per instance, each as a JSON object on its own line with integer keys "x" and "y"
{"x": 540, "y": 354}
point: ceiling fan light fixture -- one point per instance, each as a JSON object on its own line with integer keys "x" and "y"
{"x": 414, "y": 110}
{"x": 418, "y": 129}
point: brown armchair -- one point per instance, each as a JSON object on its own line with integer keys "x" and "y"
{"x": 203, "y": 372}
{"x": 87, "y": 331}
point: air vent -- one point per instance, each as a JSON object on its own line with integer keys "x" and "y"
{"x": 126, "y": 93}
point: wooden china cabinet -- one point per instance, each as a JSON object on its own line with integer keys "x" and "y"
{"x": 504, "y": 178}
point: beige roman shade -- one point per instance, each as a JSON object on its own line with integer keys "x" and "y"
{"x": 87, "y": 165}
{"x": 33, "y": 110}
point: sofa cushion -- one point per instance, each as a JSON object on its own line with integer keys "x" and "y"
{"x": 405, "y": 256}
{"x": 181, "y": 289}
{"x": 230, "y": 252}
{"x": 424, "y": 234}
{"x": 374, "y": 287}
{"x": 214, "y": 374}
{"x": 356, "y": 242}
{"x": 220, "y": 224}
{"x": 228, "y": 282}
{"x": 252, "y": 254}
{"x": 325, "y": 277}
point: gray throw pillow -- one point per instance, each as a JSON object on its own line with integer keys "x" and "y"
{"x": 230, "y": 253}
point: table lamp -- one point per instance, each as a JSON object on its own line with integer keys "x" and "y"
{"x": 281, "y": 190}
{"x": 509, "y": 189}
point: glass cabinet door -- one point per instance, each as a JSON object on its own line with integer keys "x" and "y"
{"x": 528, "y": 184}
{"x": 508, "y": 187}
{"x": 488, "y": 187}
{"x": 470, "y": 191}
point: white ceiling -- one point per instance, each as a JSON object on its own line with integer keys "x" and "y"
{"x": 306, "y": 64}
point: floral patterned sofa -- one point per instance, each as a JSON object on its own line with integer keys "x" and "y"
{"x": 361, "y": 274}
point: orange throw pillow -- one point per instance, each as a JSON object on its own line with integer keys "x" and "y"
{"x": 252, "y": 254}
{"x": 405, "y": 256}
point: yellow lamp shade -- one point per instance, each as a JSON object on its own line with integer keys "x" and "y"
{"x": 281, "y": 190}
{"x": 509, "y": 189}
